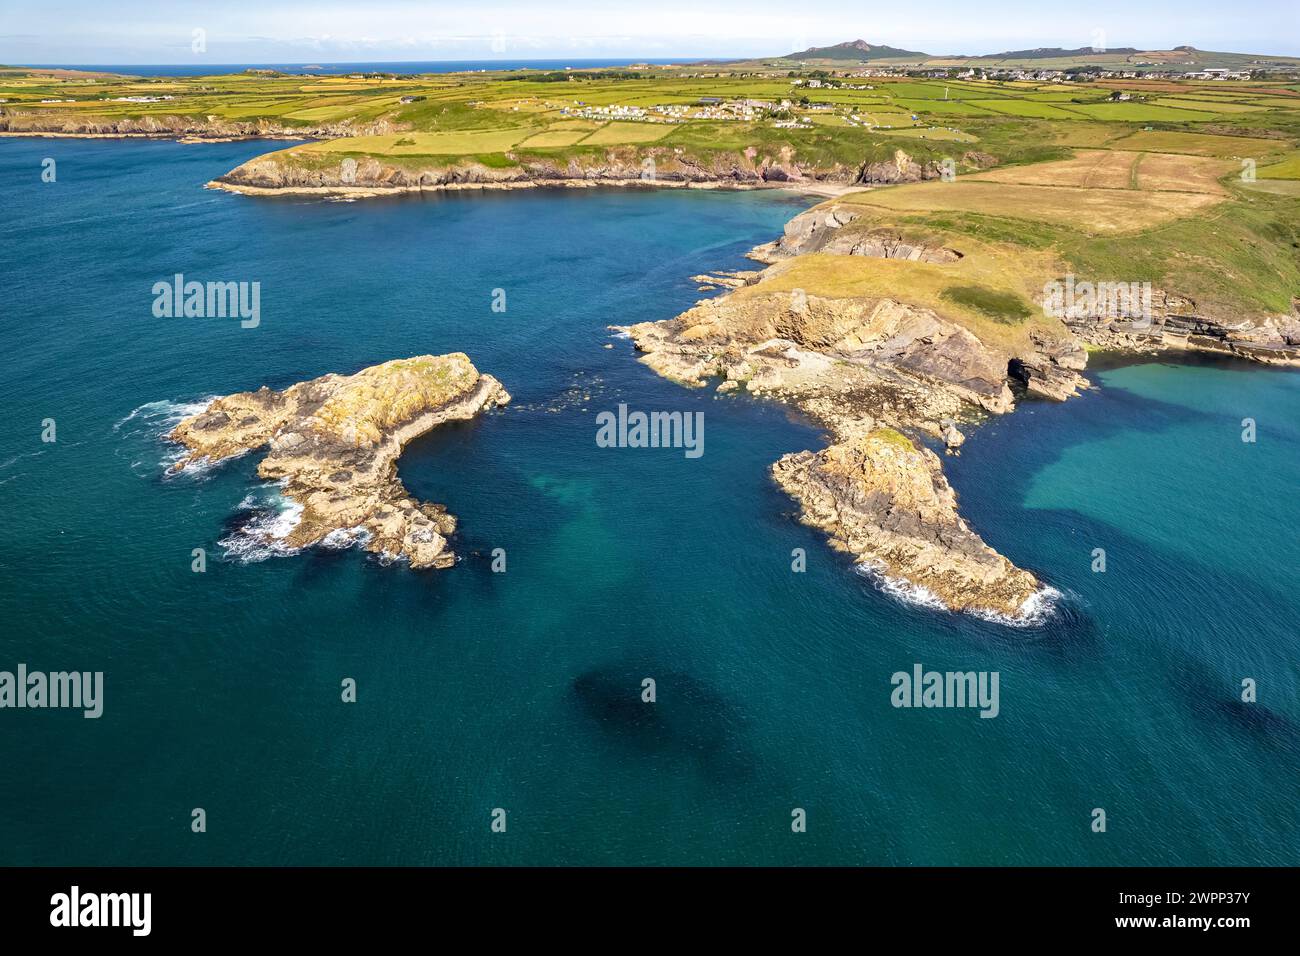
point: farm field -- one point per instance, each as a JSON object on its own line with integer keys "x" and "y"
{"x": 1095, "y": 211}
{"x": 1198, "y": 144}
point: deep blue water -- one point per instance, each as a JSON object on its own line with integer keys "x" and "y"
{"x": 367, "y": 66}
{"x": 479, "y": 690}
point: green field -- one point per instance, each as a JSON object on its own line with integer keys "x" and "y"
{"x": 1051, "y": 177}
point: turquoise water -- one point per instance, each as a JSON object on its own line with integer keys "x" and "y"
{"x": 521, "y": 690}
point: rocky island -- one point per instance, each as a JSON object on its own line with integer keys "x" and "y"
{"x": 333, "y": 444}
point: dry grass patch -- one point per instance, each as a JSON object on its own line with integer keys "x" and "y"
{"x": 1094, "y": 211}
{"x": 1120, "y": 169}
{"x": 1199, "y": 144}
{"x": 1171, "y": 171}
{"x": 1088, "y": 169}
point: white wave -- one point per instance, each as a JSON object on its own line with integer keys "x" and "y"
{"x": 620, "y": 334}
{"x": 342, "y": 538}
{"x": 164, "y": 413}
{"x": 155, "y": 421}
{"x": 900, "y": 590}
{"x": 1038, "y": 607}
{"x": 263, "y": 535}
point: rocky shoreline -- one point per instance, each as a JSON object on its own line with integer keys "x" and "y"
{"x": 370, "y": 176}
{"x": 333, "y": 444}
{"x": 183, "y": 128}
{"x": 872, "y": 369}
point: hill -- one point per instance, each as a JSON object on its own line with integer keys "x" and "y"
{"x": 854, "y": 50}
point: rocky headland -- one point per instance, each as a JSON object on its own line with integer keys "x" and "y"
{"x": 333, "y": 444}
{"x": 302, "y": 172}
{"x": 866, "y": 369}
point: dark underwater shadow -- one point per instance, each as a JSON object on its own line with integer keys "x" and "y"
{"x": 688, "y": 721}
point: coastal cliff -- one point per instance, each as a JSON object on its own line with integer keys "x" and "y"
{"x": 184, "y": 128}
{"x": 303, "y": 171}
{"x": 333, "y": 444}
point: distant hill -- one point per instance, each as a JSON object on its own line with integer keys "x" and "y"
{"x": 859, "y": 50}
{"x": 857, "y": 53}
{"x": 1056, "y": 53}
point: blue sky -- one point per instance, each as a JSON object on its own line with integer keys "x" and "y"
{"x": 295, "y": 31}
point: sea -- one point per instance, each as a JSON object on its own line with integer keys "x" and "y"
{"x": 198, "y": 67}
{"x": 502, "y": 711}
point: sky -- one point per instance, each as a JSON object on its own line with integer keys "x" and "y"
{"x": 322, "y": 31}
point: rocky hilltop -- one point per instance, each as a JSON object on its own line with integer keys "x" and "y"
{"x": 333, "y": 443}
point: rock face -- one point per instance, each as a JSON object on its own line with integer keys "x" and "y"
{"x": 624, "y": 166}
{"x": 1052, "y": 370}
{"x": 818, "y": 230}
{"x": 864, "y": 368}
{"x": 1177, "y": 323}
{"x": 901, "y": 169}
{"x": 334, "y": 442}
{"x": 179, "y": 127}
{"x": 884, "y": 500}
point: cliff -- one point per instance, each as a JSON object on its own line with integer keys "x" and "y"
{"x": 188, "y": 128}
{"x": 308, "y": 171}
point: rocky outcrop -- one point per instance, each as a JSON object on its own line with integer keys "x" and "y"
{"x": 864, "y": 368}
{"x": 886, "y": 501}
{"x": 194, "y": 128}
{"x": 797, "y": 344}
{"x": 725, "y": 279}
{"x": 333, "y": 443}
{"x": 1175, "y": 322}
{"x": 807, "y": 232}
{"x": 902, "y": 168}
{"x": 1052, "y": 370}
{"x": 822, "y": 230}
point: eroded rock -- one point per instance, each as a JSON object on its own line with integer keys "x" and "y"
{"x": 333, "y": 443}
{"x": 885, "y": 501}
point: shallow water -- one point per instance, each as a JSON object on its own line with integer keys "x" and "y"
{"x": 521, "y": 690}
